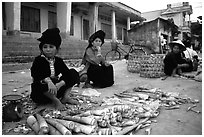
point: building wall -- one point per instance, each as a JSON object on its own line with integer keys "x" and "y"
{"x": 149, "y": 34}
{"x": 72, "y": 46}
{"x": 25, "y": 49}
{"x": 145, "y": 35}
{"x": 178, "y": 18}
{"x": 176, "y": 11}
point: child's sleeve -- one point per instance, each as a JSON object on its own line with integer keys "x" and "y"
{"x": 38, "y": 70}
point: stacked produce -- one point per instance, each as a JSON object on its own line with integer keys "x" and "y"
{"x": 124, "y": 113}
{"x": 152, "y": 66}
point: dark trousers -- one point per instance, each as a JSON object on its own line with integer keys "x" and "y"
{"x": 101, "y": 76}
{"x": 38, "y": 88}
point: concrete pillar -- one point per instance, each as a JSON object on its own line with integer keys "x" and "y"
{"x": 93, "y": 18}
{"x": 114, "y": 38}
{"x": 64, "y": 18}
{"x": 13, "y": 17}
{"x": 189, "y": 20}
{"x": 43, "y": 19}
{"x": 128, "y": 23}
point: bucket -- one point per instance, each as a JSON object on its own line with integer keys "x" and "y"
{"x": 12, "y": 109}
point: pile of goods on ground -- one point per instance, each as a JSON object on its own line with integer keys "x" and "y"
{"x": 124, "y": 113}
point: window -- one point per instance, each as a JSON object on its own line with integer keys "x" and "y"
{"x": 30, "y": 19}
{"x": 107, "y": 29}
{"x": 72, "y": 26}
{"x": 119, "y": 33}
{"x": 52, "y": 19}
{"x": 85, "y": 29}
{"x": 125, "y": 38}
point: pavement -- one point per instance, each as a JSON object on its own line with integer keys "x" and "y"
{"x": 169, "y": 122}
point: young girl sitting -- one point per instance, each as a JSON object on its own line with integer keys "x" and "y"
{"x": 52, "y": 79}
{"x": 96, "y": 68}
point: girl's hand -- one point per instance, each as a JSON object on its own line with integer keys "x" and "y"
{"x": 52, "y": 88}
{"x": 107, "y": 64}
{"x": 99, "y": 51}
{"x": 60, "y": 84}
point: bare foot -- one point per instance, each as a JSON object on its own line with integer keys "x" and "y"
{"x": 165, "y": 77}
{"x": 176, "y": 75}
{"x": 69, "y": 101}
{"x": 58, "y": 105}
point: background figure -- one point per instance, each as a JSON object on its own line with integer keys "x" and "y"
{"x": 52, "y": 80}
{"x": 191, "y": 55}
{"x": 175, "y": 61}
{"x": 96, "y": 68}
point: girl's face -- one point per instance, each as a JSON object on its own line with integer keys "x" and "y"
{"x": 96, "y": 43}
{"x": 49, "y": 50}
{"x": 176, "y": 49}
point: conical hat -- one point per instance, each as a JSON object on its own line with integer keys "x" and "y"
{"x": 179, "y": 43}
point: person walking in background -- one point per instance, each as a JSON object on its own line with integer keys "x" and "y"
{"x": 175, "y": 62}
{"x": 52, "y": 79}
{"x": 96, "y": 68}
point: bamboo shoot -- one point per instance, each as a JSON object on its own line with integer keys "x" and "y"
{"x": 53, "y": 130}
{"x": 83, "y": 120}
{"x": 42, "y": 123}
{"x": 63, "y": 130}
{"x": 33, "y": 123}
{"x": 130, "y": 128}
{"x": 68, "y": 124}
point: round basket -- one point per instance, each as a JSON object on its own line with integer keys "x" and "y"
{"x": 133, "y": 64}
{"x": 152, "y": 66}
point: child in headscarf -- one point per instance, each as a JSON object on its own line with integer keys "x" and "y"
{"x": 52, "y": 79}
{"x": 96, "y": 68}
{"x": 175, "y": 62}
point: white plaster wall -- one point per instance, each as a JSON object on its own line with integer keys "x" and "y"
{"x": 77, "y": 26}
{"x": 178, "y": 20}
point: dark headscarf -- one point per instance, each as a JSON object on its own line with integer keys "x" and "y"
{"x": 99, "y": 34}
{"x": 50, "y": 36}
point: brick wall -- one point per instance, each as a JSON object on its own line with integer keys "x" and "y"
{"x": 15, "y": 49}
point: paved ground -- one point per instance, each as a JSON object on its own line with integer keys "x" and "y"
{"x": 169, "y": 122}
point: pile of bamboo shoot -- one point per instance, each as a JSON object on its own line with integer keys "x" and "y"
{"x": 66, "y": 126}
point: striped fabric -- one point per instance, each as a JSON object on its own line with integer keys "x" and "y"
{"x": 51, "y": 62}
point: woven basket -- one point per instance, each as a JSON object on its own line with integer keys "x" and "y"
{"x": 152, "y": 66}
{"x": 133, "y": 64}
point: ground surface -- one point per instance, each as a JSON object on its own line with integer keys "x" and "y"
{"x": 169, "y": 122}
